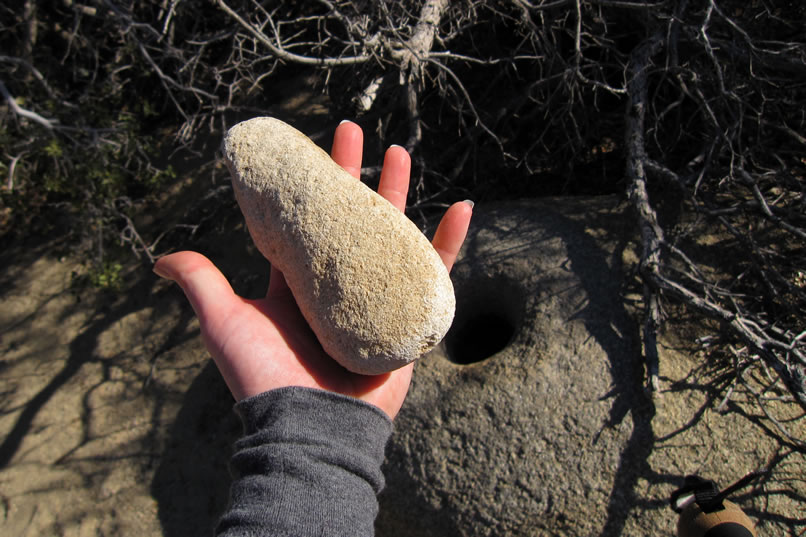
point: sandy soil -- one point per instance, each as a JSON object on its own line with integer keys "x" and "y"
{"x": 94, "y": 389}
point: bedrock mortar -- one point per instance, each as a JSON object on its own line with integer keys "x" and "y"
{"x": 542, "y": 430}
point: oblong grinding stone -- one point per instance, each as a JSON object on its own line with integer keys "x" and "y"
{"x": 371, "y": 286}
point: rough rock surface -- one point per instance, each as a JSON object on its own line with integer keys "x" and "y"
{"x": 369, "y": 283}
{"x": 529, "y": 419}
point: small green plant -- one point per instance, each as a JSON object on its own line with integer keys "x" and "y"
{"x": 104, "y": 276}
{"x": 54, "y": 149}
{"x": 107, "y": 276}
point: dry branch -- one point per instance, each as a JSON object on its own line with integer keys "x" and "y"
{"x": 49, "y": 124}
{"x": 275, "y": 46}
{"x": 651, "y": 232}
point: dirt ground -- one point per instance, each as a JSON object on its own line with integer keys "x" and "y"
{"x": 113, "y": 421}
{"x": 94, "y": 389}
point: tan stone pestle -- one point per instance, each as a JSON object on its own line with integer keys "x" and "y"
{"x": 371, "y": 286}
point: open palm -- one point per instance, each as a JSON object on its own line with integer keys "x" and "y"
{"x": 263, "y": 344}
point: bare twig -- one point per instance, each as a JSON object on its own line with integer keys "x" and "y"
{"x": 49, "y": 124}
{"x": 275, "y": 46}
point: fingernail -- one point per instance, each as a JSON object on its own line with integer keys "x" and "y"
{"x": 395, "y": 145}
{"x": 161, "y": 273}
{"x": 470, "y": 202}
{"x": 344, "y": 121}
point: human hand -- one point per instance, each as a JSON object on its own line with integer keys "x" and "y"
{"x": 259, "y": 345}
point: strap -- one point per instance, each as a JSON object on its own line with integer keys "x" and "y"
{"x": 707, "y": 494}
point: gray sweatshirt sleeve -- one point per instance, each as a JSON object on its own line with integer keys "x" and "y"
{"x": 309, "y": 464}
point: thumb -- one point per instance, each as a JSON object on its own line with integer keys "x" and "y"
{"x": 205, "y": 287}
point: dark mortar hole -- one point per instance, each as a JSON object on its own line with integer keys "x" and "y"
{"x": 487, "y": 316}
{"x": 479, "y": 338}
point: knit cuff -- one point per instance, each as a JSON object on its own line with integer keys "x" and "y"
{"x": 309, "y": 464}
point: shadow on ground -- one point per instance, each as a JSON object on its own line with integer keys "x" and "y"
{"x": 191, "y": 483}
